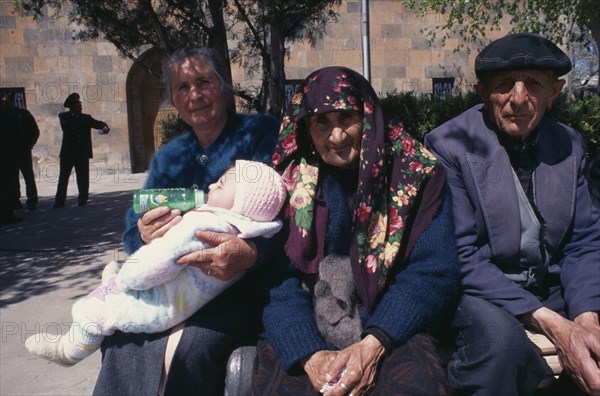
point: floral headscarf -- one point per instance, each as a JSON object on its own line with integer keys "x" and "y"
{"x": 393, "y": 167}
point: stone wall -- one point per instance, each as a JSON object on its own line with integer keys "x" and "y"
{"x": 401, "y": 57}
{"x": 42, "y": 57}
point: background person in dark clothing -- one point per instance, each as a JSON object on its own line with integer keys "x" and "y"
{"x": 76, "y": 149}
{"x": 30, "y": 134}
{"x": 10, "y": 141}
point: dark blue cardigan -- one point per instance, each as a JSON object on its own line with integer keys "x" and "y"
{"x": 179, "y": 164}
{"x": 416, "y": 300}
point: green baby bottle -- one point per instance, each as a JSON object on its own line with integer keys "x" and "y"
{"x": 183, "y": 199}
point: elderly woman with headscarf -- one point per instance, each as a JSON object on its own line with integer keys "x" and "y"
{"x": 373, "y": 273}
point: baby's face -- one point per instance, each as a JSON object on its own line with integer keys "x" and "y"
{"x": 221, "y": 193}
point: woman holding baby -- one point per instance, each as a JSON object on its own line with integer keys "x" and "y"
{"x": 191, "y": 358}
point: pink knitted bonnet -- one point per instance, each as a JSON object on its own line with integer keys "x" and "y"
{"x": 259, "y": 191}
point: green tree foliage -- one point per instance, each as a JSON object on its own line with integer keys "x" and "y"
{"x": 420, "y": 114}
{"x": 583, "y": 115}
{"x": 261, "y": 30}
{"x": 562, "y": 21}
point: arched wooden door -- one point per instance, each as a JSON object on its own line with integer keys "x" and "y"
{"x": 144, "y": 96}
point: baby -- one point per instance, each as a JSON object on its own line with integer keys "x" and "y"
{"x": 150, "y": 293}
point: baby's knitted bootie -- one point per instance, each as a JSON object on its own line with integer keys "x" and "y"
{"x": 65, "y": 350}
{"x": 50, "y": 347}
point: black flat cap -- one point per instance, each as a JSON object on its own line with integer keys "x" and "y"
{"x": 521, "y": 51}
{"x": 74, "y": 97}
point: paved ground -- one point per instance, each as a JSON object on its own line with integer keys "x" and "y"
{"x": 47, "y": 261}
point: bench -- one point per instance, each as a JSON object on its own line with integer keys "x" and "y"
{"x": 548, "y": 352}
{"x": 238, "y": 381}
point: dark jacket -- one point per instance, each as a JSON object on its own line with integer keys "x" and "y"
{"x": 77, "y": 134}
{"x": 31, "y": 132}
{"x": 11, "y": 138}
{"x": 486, "y": 211}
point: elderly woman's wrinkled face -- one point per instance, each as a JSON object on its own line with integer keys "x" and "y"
{"x": 337, "y": 137}
{"x": 197, "y": 95}
{"x": 517, "y": 100}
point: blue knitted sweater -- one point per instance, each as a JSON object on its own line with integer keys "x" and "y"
{"x": 416, "y": 300}
{"x": 184, "y": 163}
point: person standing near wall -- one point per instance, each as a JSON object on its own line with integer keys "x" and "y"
{"x": 76, "y": 149}
{"x": 30, "y": 134}
{"x": 10, "y": 141}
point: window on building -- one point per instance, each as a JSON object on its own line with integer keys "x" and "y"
{"x": 442, "y": 87}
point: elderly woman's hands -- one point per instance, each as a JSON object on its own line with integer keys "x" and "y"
{"x": 229, "y": 256}
{"x": 360, "y": 361}
{"x": 156, "y": 222}
{"x": 317, "y": 367}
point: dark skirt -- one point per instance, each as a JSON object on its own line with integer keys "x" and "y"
{"x": 413, "y": 368}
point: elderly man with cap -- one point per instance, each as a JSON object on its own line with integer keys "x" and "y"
{"x": 527, "y": 233}
{"x": 76, "y": 149}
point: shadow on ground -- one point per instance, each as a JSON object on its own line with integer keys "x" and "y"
{"x": 59, "y": 248}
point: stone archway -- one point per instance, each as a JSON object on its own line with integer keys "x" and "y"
{"x": 144, "y": 96}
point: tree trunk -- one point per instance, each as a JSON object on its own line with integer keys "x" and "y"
{"x": 277, "y": 66}
{"x": 265, "y": 94}
{"x": 273, "y": 89}
{"x": 218, "y": 40}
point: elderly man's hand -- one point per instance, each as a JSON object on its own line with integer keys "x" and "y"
{"x": 589, "y": 321}
{"x": 577, "y": 343}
